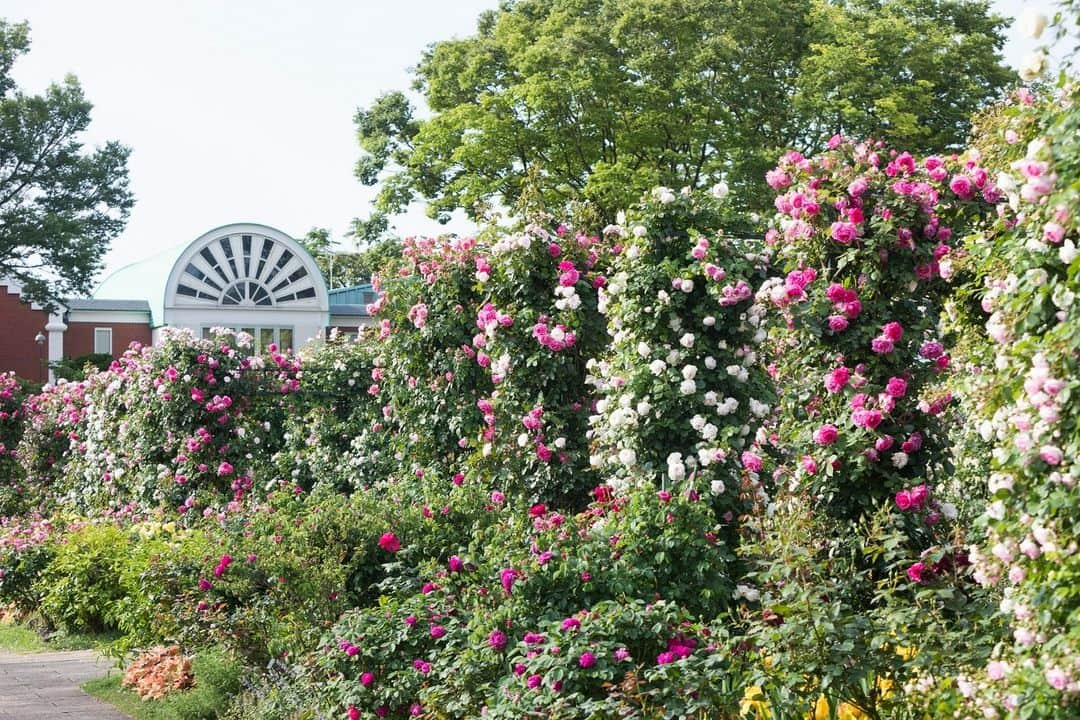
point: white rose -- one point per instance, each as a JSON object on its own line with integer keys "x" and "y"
{"x": 657, "y": 367}
{"x": 717, "y": 487}
{"x": 1032, "y": 23}
{"x": 643, "y": 349}
{"x": 688, "y": 387}
{"x": 747, "y": 592}
{"x": 628, "y": 457}
{"x": 687, "y": 340}
{"x": 710, "y": 362}
{"x": 1067, "y": 252}
{"x": 639, "y": 231}
{"x": 708, "y": 321}
{"x": 720, "y": 190}
{"x": 900, "y": 459}
{"x": 643, "y": 408}
{"x": 1033, "y": 66}
{"x": 689, "y": 372}
{"x": 687, "y": 286}
{"x": 710, "y": 398}
{"x": 709, "y": 432}
{"x": 697, "y": 422}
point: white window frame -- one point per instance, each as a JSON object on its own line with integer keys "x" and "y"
{"x": 100, "y": 332}
{"x": 258, "y": 331}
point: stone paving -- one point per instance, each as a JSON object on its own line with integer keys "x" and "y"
{"x": 36, "y": 686}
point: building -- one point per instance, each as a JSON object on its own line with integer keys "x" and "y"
{"x": 244, "y": 276}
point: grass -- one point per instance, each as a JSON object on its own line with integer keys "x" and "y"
{"x": 18, "y": 638}
{"x": 108, "y": 689}
{"x": 217, "y": 681}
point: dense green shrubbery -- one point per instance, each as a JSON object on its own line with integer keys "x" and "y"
{"x": 636, "y": 473}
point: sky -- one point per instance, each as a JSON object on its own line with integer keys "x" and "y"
{"x": 242, "y": 110}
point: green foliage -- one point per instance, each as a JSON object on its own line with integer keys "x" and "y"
{"x": 98, "y": 444}
{"x": 346, "y": 268}
{"x": 78, "y": 368}
{"x": 217, "y": 682}
{"x": 632, "y": 573}
{"x": 1024, "y": 274}
{"x": 909, "y": 72}
{"x": 80, "y": 586}
{"x": 59, "y": 206}
{"x": 12, "y": 418}
{"x": 583, "y": 105}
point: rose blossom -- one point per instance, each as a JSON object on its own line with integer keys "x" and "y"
{"x": 389, "y": 542}
{"x": 826, "y": 434}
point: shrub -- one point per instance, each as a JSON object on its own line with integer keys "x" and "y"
{"x": 82, "y": 586}
{"x": 1025, "y": 273}
{"x": 12, "y": 417}
{"x": 27, "y": 546}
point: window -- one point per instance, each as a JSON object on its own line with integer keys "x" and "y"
{"x": 263, "y": 337}
{"x": 103, "y": 341}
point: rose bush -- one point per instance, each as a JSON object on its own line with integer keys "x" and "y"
{"x": 1024, "y": 275}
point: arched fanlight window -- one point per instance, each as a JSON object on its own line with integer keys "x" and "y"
{"x": 245, "y": 270}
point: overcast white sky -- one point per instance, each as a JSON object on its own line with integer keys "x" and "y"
{"x": 241, "y": 110}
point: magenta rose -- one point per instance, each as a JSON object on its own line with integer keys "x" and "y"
{"x": 896, "y": 387}
{"x": 389, "y": 542}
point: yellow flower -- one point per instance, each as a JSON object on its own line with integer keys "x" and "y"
{"x": 846, "y": 711}
{"x": 754, "y": 700}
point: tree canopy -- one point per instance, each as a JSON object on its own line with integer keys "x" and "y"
{"x": 558, "y": 104}
{"x": 60, "y": 206}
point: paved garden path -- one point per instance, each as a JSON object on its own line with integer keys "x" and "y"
{"x": 36, "y": 686}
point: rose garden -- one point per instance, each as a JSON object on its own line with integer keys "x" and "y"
{"x": 666, "y": 467}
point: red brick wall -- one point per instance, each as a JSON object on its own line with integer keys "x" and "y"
{"x": 19, "y": 323}
{"x": 79, "y": 338}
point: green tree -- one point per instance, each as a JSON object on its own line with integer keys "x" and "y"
{"x": 60, "y": 206}
{"x": 568, "y": 104}
{"x": 910, "y": 72}
{"x": 342, "y": 268}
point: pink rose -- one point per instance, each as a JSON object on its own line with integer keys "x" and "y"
{"x": 389, "y": 542}
{"x": 962, "y": 186}
{"x": 507, "y": 577}
{"x": 837, "y": 379}
{"x": 751, "y": 461}
{"x": 1051, "y": 455}
{"x": 882, "y": 345}
{"x": 843, "y": 232}
{"x": 826, "y": 434}
{"x": 919, "y": 573}
{"x": 896, "y": 387}
{"x": 893, "y": 330}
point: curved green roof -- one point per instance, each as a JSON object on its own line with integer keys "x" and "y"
{"x": 143, "y": 280}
